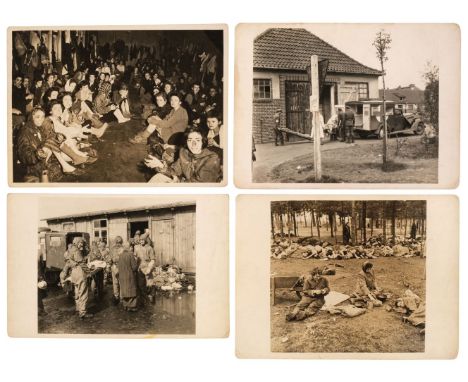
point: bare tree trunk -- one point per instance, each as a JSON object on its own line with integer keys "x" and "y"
{"x": 372, "y": 226}
{"x": 295, "y": 223}
{"x": 272, "y": 226}
{"x": 364, "y": 221}
{"x": 318, "y": 225}
{"x": 353, "y": 223}
{"x": 305, "y": 219}
{"x": 394, "y": 221}
{"x": 384, "y": 222}
{"x": 334, "y": 225}
{"x": 281, "y": 225}
{"x": 330, "y": 220}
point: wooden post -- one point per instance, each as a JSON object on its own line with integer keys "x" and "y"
{"x": 314, "y": 108}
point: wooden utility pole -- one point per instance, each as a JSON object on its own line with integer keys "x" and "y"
{"x": 314, "y": 108}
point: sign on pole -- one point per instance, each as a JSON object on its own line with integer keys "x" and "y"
{"x": 314, "y": 108}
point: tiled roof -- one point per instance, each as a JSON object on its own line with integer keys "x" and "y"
{"x": 291, "y": 48}
{"x": 408, "y": 94}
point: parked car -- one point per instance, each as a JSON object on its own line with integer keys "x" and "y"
{"x": 369, "y": 121}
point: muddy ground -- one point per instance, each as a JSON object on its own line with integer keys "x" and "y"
{"x": 375, "y": 331}
{"x": 170, "y": 314}
{"x": 410, "y": 162}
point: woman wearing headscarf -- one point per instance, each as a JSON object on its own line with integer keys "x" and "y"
{"x": 104, "y": 106}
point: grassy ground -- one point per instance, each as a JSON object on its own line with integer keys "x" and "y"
{"x": 362, "y": 163}
{"x": 375, "y": 331}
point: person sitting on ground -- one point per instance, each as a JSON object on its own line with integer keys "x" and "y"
{"x": 122, "y": 101}
{"x": 196, "y": 163}
{"x": 71, "y": 133}
{"x": 33, "y": 151}
{"x": 215, "y": 134}
{"x": 170, "y": 128}
{"x": 313, "y": 294}
{"x": 366, "y": 287}
{"x": 104, "y": 106}
{"x": 84, "y": 109}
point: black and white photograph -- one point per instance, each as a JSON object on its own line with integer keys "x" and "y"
{"x": 346, "y": 103}
{"x": 135, "y": 266}
{"x": 122, "y": 105}
{"x": 348, "y": 276}
{"x": 117, "y": 271}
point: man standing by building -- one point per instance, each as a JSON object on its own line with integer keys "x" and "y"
{"x": 116, "y": 251}
{"x": 341, "y": 128}
{"x": 278, "y": 133}
{"x": 349, "y": 124}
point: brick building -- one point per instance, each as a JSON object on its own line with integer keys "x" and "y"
{"x": 280, "y": 80}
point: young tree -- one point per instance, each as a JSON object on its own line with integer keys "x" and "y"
{"x": 382, "y": 45}
{"x": 431, "y": 94}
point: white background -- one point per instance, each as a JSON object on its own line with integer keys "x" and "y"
{"x": 109, "y": 360}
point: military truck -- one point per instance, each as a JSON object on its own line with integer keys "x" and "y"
{"x": 52, "y": 245}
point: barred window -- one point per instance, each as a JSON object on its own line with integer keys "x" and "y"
{"x": 262, "y": 88}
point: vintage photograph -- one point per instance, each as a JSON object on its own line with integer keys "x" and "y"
{"x": 348, "y": 276}
{"x": 117, "y": 105}
{"x": 345, "y": 103}
{"x": 126, "y": 269}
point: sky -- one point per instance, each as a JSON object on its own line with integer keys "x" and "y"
{"x": 411, "y": 48}
{"x": 67, "y": 205}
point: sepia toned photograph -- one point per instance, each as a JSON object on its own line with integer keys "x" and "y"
{"x": 120, "y": 266}
{"x": 348, "y": 276}
{"x": 118, "y": 270}
{"x": 345, "y": 103}
{"x": 120, "y": 105}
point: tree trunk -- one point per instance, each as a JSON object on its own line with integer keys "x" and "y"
{"x": 305, "y": 219}
{"x": 281, "y": 225}
{"x": 372, "y": 227}
{"x": 272, "y": 226}
{"x": 295, "y": 223}
{"x": 334, "y": 225}
{"x": 330, "y": 220}
{"x": 353, "y": 223}
{"x": 384, "y": 222}
{"x": 384, "y": 112}
{"x": 364, "y": 221}
{"x": 394, "y": 221}
{"x": 318, "y": 225}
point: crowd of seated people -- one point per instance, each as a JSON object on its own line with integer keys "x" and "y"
{"x": 58, "y": 115}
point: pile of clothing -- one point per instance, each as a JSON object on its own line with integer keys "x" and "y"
{"x": 170, "y": 277}
{"x": 374, "y": 247}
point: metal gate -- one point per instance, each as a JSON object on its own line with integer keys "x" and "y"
{"x": 297, "y": 106}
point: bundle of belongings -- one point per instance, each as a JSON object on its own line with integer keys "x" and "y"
{"x": 310, "y": 248}
{"x": 412, "y": 307}
{"x": 170, "y": 278}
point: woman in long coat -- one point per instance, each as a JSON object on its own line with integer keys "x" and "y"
{"x": 128, "y": 267}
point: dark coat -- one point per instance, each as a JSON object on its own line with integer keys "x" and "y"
{"x": 201, "y": 168}
{"x": 30, "y": 140}
{"x": 127, "y": 274}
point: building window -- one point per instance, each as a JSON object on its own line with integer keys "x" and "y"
{"x": 360, "y": 88}
{"x": 262, "y": 88}
{"x": 100, "y": 229}
{"x": 69, "y": 226}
